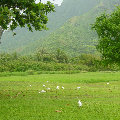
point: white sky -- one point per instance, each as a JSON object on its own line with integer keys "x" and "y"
{"x": 58, "y": 2}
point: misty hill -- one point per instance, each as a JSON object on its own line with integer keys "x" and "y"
{"x": 69, "y": 29}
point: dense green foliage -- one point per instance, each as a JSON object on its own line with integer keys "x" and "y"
{"x": 107, "y": 27}
{"x": 58, "y": 61}
{"x": 21, "y": 97}
{"x": 24, "y": 12}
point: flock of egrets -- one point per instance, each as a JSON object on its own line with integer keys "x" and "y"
{"x": 58, "y": 87}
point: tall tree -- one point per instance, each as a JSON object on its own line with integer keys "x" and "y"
{"x": 61, "y": 56}
{"x": 107, "y": 27}
{"x": 15, "y": 13}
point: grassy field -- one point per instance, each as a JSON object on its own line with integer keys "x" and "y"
{"x": 21, "y": 97}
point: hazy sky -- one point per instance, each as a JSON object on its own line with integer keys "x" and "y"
{"x": 58, "y": 2}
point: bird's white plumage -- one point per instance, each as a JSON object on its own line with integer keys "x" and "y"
{"x": 78, "y": 88}
{"x": 48, "y": 88}
{"x": 43, "y": 91}
{"x": 57, "y": 87}
{"x": 63, "y": 87}
{"x": 79, "y": 103}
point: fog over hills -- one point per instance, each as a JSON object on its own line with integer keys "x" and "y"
{"x": 69, "y": 29}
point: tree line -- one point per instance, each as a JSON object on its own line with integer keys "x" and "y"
{"x": 56, "y": 61}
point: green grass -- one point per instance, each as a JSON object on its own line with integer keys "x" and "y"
{"x": 32, "y": 72}
{"x": 101, "y": 101}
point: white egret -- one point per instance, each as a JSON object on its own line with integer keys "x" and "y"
{"x": 57, "y": 87}
{"x": 43, "y": 91}
{"x": 48, "y": 88}
{"x": 79, "y": 103}
{"x": 78, "y": 88}
{"x": 63, "y": 87}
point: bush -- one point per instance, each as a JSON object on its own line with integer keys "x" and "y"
{"x": 14, "y": 63}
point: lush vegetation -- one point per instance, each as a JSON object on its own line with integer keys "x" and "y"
{"x": 58, "y": 61}
{"x": 48, "y": 85}
{"x": 107, "y": 27}
{"x": 69, "y": 27}
{"x": 22, "y": 97}
{"x": 14, "y": 13}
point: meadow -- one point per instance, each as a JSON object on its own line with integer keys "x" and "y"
{"x": 55, "y": 96}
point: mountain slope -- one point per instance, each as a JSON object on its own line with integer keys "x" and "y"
{"x": 70, "y": 29}
{"x": 24, "y": 38}
{"x": 75, "y": 36}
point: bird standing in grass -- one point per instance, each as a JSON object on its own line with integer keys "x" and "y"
{"x": 57, "y": 87}
{"x": 43, "y": 91}
{"x": 79, "y": 103}
{"x": 63, "y": 87}
{"x": 78, "y": 88}
{"x": 48, "y": 88}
